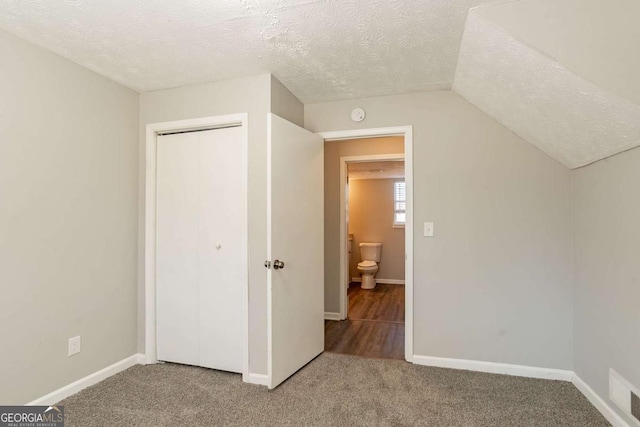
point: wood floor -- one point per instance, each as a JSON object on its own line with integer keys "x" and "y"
{"x": 375, "y": 324}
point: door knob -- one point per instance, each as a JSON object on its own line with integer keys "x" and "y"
{"x": 278, "y": 265}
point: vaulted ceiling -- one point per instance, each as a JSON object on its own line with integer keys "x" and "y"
{"x": 562, "y": 74}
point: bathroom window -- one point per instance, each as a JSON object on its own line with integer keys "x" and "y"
{"x": 399, "y": 204}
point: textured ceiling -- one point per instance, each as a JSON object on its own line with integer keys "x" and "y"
{"x": 565, "y": 115}
{"x": 320, "y": 49}
{"x": 375, "y": 170}
{"x": 560, "y": 73}
{"x": 598, "y": 39}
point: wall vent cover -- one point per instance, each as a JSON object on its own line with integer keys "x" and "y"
{"x": 624, "y": 395}
{"x": 635, "y": 406}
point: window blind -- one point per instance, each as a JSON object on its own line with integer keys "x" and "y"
{"x": 399, "y": 203}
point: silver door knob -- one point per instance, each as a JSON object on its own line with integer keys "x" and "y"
{"x": 278, "y": 265}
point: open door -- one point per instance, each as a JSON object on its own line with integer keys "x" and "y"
{"x": 295, "y": 248}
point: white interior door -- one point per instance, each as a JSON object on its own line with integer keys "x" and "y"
{"x": 295, "y": 236}
{"x": 200, "y": 248}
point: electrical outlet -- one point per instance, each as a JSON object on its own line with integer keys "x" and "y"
{"x": 75, "y": 345}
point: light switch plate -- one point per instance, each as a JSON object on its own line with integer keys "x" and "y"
{"x": 428, "y": 229}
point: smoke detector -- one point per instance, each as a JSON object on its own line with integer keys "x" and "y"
{"x": 358, "y": 114}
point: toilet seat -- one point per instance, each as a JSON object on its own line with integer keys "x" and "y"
{"x": 367, "y": 264}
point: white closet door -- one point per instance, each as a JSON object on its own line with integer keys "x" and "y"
{"x": 177, "y": 273}
{"x": 221, "y": 249}
{"x": 200, "y": 249}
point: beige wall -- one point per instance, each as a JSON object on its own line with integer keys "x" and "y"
{"x": 495, "y": 283}
{"x": 371, "y": 220}
{"x": 285, "y": 104}
{"x": 333, "y": 150}
{"x": 607, "y": 271}
{"x": 68, "y": 221}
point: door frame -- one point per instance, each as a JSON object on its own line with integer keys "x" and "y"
{"x": 407, "y": 133}
{"x": 153, "y": 130}
{"x": 344, "y": 220}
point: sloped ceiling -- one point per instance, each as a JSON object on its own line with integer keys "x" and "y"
{"x": 573, "y": 95}
{"x": 320, "y": 49}
{"x": 597, "y": 39}
{"x": 563, "y": 74}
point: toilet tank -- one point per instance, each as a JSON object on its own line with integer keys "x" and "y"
{"x": 370, "y": 251}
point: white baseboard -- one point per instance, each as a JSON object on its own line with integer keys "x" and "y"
{"x": 530, "y": 372}
{"x": 71, "y": 389}
{"x": 379, "y": 280}
{"x": 259, "y": 379}
{"x": 328, "y": 315}
{"x": 607, "y": 411}
{"x": 495, "y": 368}
{"x": 442, "y": 362}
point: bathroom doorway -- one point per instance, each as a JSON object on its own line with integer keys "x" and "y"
{"x": 368, "y": 207}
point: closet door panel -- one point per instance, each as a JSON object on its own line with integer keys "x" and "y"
{"x": 177, "y": 243}
{"x": 221, "y": 256}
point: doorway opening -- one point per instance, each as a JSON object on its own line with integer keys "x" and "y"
{"x": 368, "y": 214}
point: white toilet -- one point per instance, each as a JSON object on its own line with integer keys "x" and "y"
{"x": 368, "y": 267}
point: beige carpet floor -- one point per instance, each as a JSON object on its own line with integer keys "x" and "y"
{"x": 333, "y": 390}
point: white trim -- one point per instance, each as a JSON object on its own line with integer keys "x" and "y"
{"x": 345, "y": 242}
{"x": 152, "y": 131}
{"x": 365, "y": 133}
{"x": 91, "y": 379}
{"x": 259, "y": 379}
{"x": 495, "y": 368}
{"x": 407, "y": 133}
{"x": 379, "y": 280}
{"x": 625, "y": 404}
{"x": 408, "y": 267}
{"x": 529, "y": 372}
{"x": 392, "y": 157}
{"x": 329, "y": 315}
{"x": 369, "y": 178}
{"x": 344, "y": 221}
{"x": 601, "y": 405}
{"x": 269, "y": 271}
